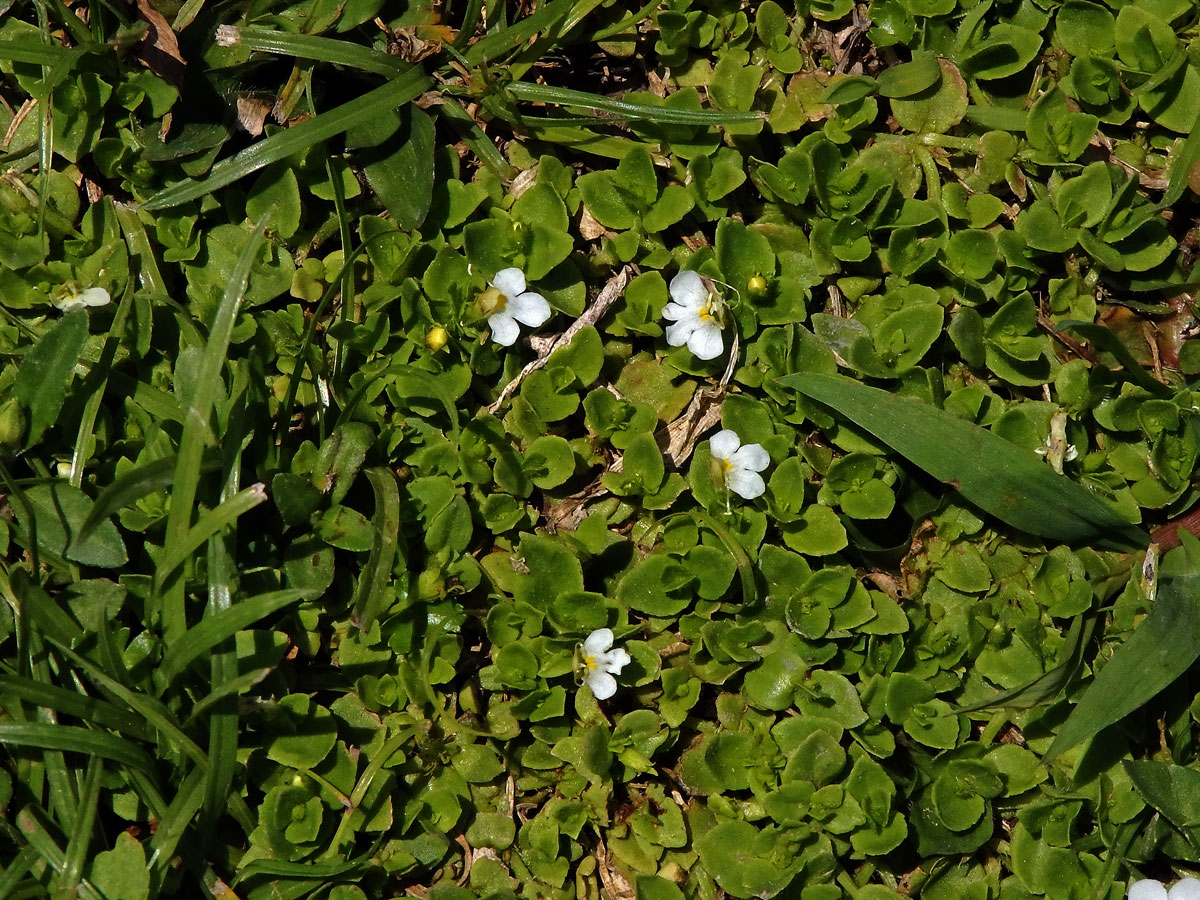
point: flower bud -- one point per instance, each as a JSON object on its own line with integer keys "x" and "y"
{"x": 757, "y": 286}
{"x": 436, "y": 338}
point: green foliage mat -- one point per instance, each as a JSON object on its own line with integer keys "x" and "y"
{"x": 561, "y": 449}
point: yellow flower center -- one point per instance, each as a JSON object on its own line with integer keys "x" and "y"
{"x": 492, "y": 301}
{"x": 590, "y": 662}
{"x": 726, "y": 467}
{"x": 706, "y": 314}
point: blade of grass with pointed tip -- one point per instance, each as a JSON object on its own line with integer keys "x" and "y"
{"x": 91, "y": 709}
{"x": 999, "y": 477}
{"x": 1048, "y": 685}
{"x": 212, "y": 522}
{"x": 295, "y": 139}
{"x": 1106, "y": 340}
{"x": 321, "y": 49}
{"x": 545, "y": 93}
{"x": 378, "y": 570}
{"x": 197, "y": 428}
{"x": 76, "y": 740}
{"x": 132, "y": 486}
{"x": 496, "y": 45}
{"x": 218, "y": 626}
{"x": 1161, "y": 649}
{"x": 233, "y": 687}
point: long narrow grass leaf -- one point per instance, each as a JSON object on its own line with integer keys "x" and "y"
{"x": 212, "y": 522}
{"x": 197, "y": 427}
{"x": 1105, "y": 339}
{"x": 496, "y": 45}
{"x": 230, "y": 688}
{"x": 132, "y": 486}
{"x": 218, "y": 626}
{"x": 76, "y": 740}
{"x": 296, "y": 139}
{"x": 321, "y": 49}
{"x": 80, "y": 837}
{"x": 1161, "y": 649}
{"x": 378, "y": 571}
{"x": 90, "y": 709}
{"x": 628, "y": 109}
{"x": 996, "y": 475}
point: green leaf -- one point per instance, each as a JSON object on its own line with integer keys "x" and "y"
{"x": 403, "y": 178}
{"x": 910, "y": 78}
{"x": 994, "y": 474}
{"x": 121, "y": 873}
{"x": 60, "y": 511}
{"x": 47, "y": 370}
{"x": 216, "y": 627}
{"x": 1160, "y": 650}
{"x": 295, "y": 139}
{"x": 76, "y": 740}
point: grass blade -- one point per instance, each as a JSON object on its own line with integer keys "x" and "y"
{"x": 1107, "y": 341}
{"x": 132, "y": 486}
{"x": 496, "y": 45}
{"x": 378, "y": 570}
{"x": 997, "y": 476}
{"x": 628, "y": 109}
{"x": 81, "y": 835}
{"x": 197, "y": 428}
{"x": 230, "y": 688}
{"x": 45, "y": 736}
{"x": 219, "y": 626}
{"x": 307, "y": 46}
{"x": 90, "y": 709}
{"x": 212, "y": 522}
{"x": 1160, "y": 650}
{"x": 34, "y": 824}
{"x": 296, "y": 139}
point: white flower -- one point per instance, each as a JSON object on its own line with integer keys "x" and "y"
{"x": 1149, "y": 889}
{"x": 696, "y": 313}
{"x": 740, "y": 465}
{"x": 601, "y": 663}
{"x": 508, "y": 303}
{"x": 91, "y": 297}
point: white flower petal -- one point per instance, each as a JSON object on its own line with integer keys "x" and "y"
{"x": 705, "y": 342}
{"x": 615, "y": 660}
{"x": 529, "y": 308}
{"x": 510, "y": 282}
{"x": 751, "y": 457}
{"x": 70, "y": 304}
{"x": 680, "y": 332}
{"x": 688, "y": 290}
{"x": 602, "y": 684}
{"x": 1185, "y": 889}
{"x": 504, "y": 328}
{"x": 675, "y": 312}
{"x": 745, "y": 483}
{"x": 598, "y": 642}
{"x": 724, "y": 444}
{"x": 95, "y": 296}
{"x": 1147, "y": 889}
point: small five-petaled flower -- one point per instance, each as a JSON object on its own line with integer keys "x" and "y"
{"x": 95, "y": 296}
{"x": 601, "y": 662}
{"x": 739, "y": 464}
{"x": 1149, "y": 889}
{"x": 696, "y": 314}
{"x": 507, "y": 302}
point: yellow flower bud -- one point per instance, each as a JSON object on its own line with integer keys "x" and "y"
{"x": 757, "y": 286}
{"x": 436, "y": 337}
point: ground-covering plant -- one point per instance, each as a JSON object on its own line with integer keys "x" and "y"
{"x": 566, "y": 449}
